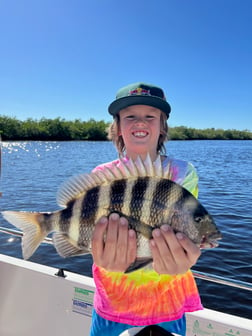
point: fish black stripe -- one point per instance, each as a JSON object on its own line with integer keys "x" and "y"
{"x": 65, "y": 217}
{"x": 117, "y": 193}
{"x": 90, "y": 205}
{"x": 160, "y": 200}
{"x": 137, "y": 198}
{"x": 89, "y": 208}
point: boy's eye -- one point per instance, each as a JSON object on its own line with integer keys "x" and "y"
{"x": 148, "y": 117}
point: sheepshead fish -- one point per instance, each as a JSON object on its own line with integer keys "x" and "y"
{"x": 141, "y": 191}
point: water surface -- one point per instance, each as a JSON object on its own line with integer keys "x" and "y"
{"x": 32, "y": 172}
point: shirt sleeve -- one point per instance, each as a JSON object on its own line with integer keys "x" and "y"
{"x": 191, "y": 180}
{"x": 184, "y": 173}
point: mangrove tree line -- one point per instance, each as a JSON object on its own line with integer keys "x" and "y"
{"x": 60, "y": 129}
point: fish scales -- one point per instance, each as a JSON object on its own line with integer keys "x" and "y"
{"x": 149, "y": 213}
{"x": 179, "y": 219}
{"x": 117, "y": 195}
{"x": 90, "y": 204}
{"x": 159, "y": 199}
{"x": 75, "y": 222}
{"x": 138, "y": 201}
{"x": 103, "y": 201}
{"x": 97, "y": 202}
{"x": 141, "y": 191}
{"x": 144, "y": 207}
{"x": 125, "y": 207}
{"x": 65, "y": 217}
{"x": 162, "y": 201}
{"x": 87, "y": 215}
{"x": 46, "y": 222}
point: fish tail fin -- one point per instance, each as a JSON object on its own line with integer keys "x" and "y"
{"x": 33, "y": 230}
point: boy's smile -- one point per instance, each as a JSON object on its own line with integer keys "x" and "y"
{"x": 140, "y": 129}
{"x": 140, "y": 134}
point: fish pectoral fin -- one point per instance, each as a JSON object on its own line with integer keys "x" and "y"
{"x": 66, "y": 247}
{"x": 144, "y": 229}
{"x": 138, "y": 263}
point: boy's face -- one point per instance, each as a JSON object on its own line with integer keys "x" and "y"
{"x": 140, "y": 129}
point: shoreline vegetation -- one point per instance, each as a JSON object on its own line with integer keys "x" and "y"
{"x": 62, "y": 130}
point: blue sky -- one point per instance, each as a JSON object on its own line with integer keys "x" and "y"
{"x": 67, "y": 59}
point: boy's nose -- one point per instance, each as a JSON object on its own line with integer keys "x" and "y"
{"x": 140, "y": 121}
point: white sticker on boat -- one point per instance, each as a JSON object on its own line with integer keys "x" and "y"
{"x": 83, "y": 301}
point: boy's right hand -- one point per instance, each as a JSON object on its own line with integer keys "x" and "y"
{"x": 114, "y": 246}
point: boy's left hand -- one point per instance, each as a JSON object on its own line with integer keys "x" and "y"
{"x": 172, "y": 253}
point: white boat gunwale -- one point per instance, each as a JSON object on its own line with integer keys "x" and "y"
{"x": 35, "y": 300}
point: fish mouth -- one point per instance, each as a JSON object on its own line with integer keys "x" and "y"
{"x": 210, "y": 241}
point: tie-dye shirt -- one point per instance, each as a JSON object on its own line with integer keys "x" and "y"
{"x": 145, "y": 297}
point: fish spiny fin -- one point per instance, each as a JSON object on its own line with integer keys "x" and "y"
{"x": 118, "y": 173}
{"x": 167, "y": 172}
{"x": 124, "y": 169}
{"x": 29, "y": 223}
{"x": 132, "y": 168}
{"x": 140, "y": 167}
{"x": 158, "y": 167}
{"x": 66, "y": 247}
{"x": 99, "y": 177}
{"x": 75, "y": 187}
{"x": 110, "y": 174}
{"x": 149, "y": 167}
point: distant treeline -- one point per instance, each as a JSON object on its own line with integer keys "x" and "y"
{"x": 60, "y": 129}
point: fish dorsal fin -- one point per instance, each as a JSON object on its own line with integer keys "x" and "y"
{"x": 76, "y": 186}
{"x": 132, "y": 167}
{"x": 148, "y": 164}
{"x": 124, "y": 168}
{"x": 157, "y": 164}
{"x": 140, "y": 167}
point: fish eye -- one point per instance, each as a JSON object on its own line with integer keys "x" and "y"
{"x": 198, "y": 219}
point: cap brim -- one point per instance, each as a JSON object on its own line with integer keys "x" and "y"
{"x": 124, "y": 102}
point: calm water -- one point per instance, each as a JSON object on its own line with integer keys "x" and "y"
{"x": 32, "y": 172}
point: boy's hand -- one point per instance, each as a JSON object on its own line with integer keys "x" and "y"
{"x": 113, "y": 244}
{"x": 172, "y": 253}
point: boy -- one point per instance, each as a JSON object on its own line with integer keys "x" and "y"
{"x": 163, "y": 294}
